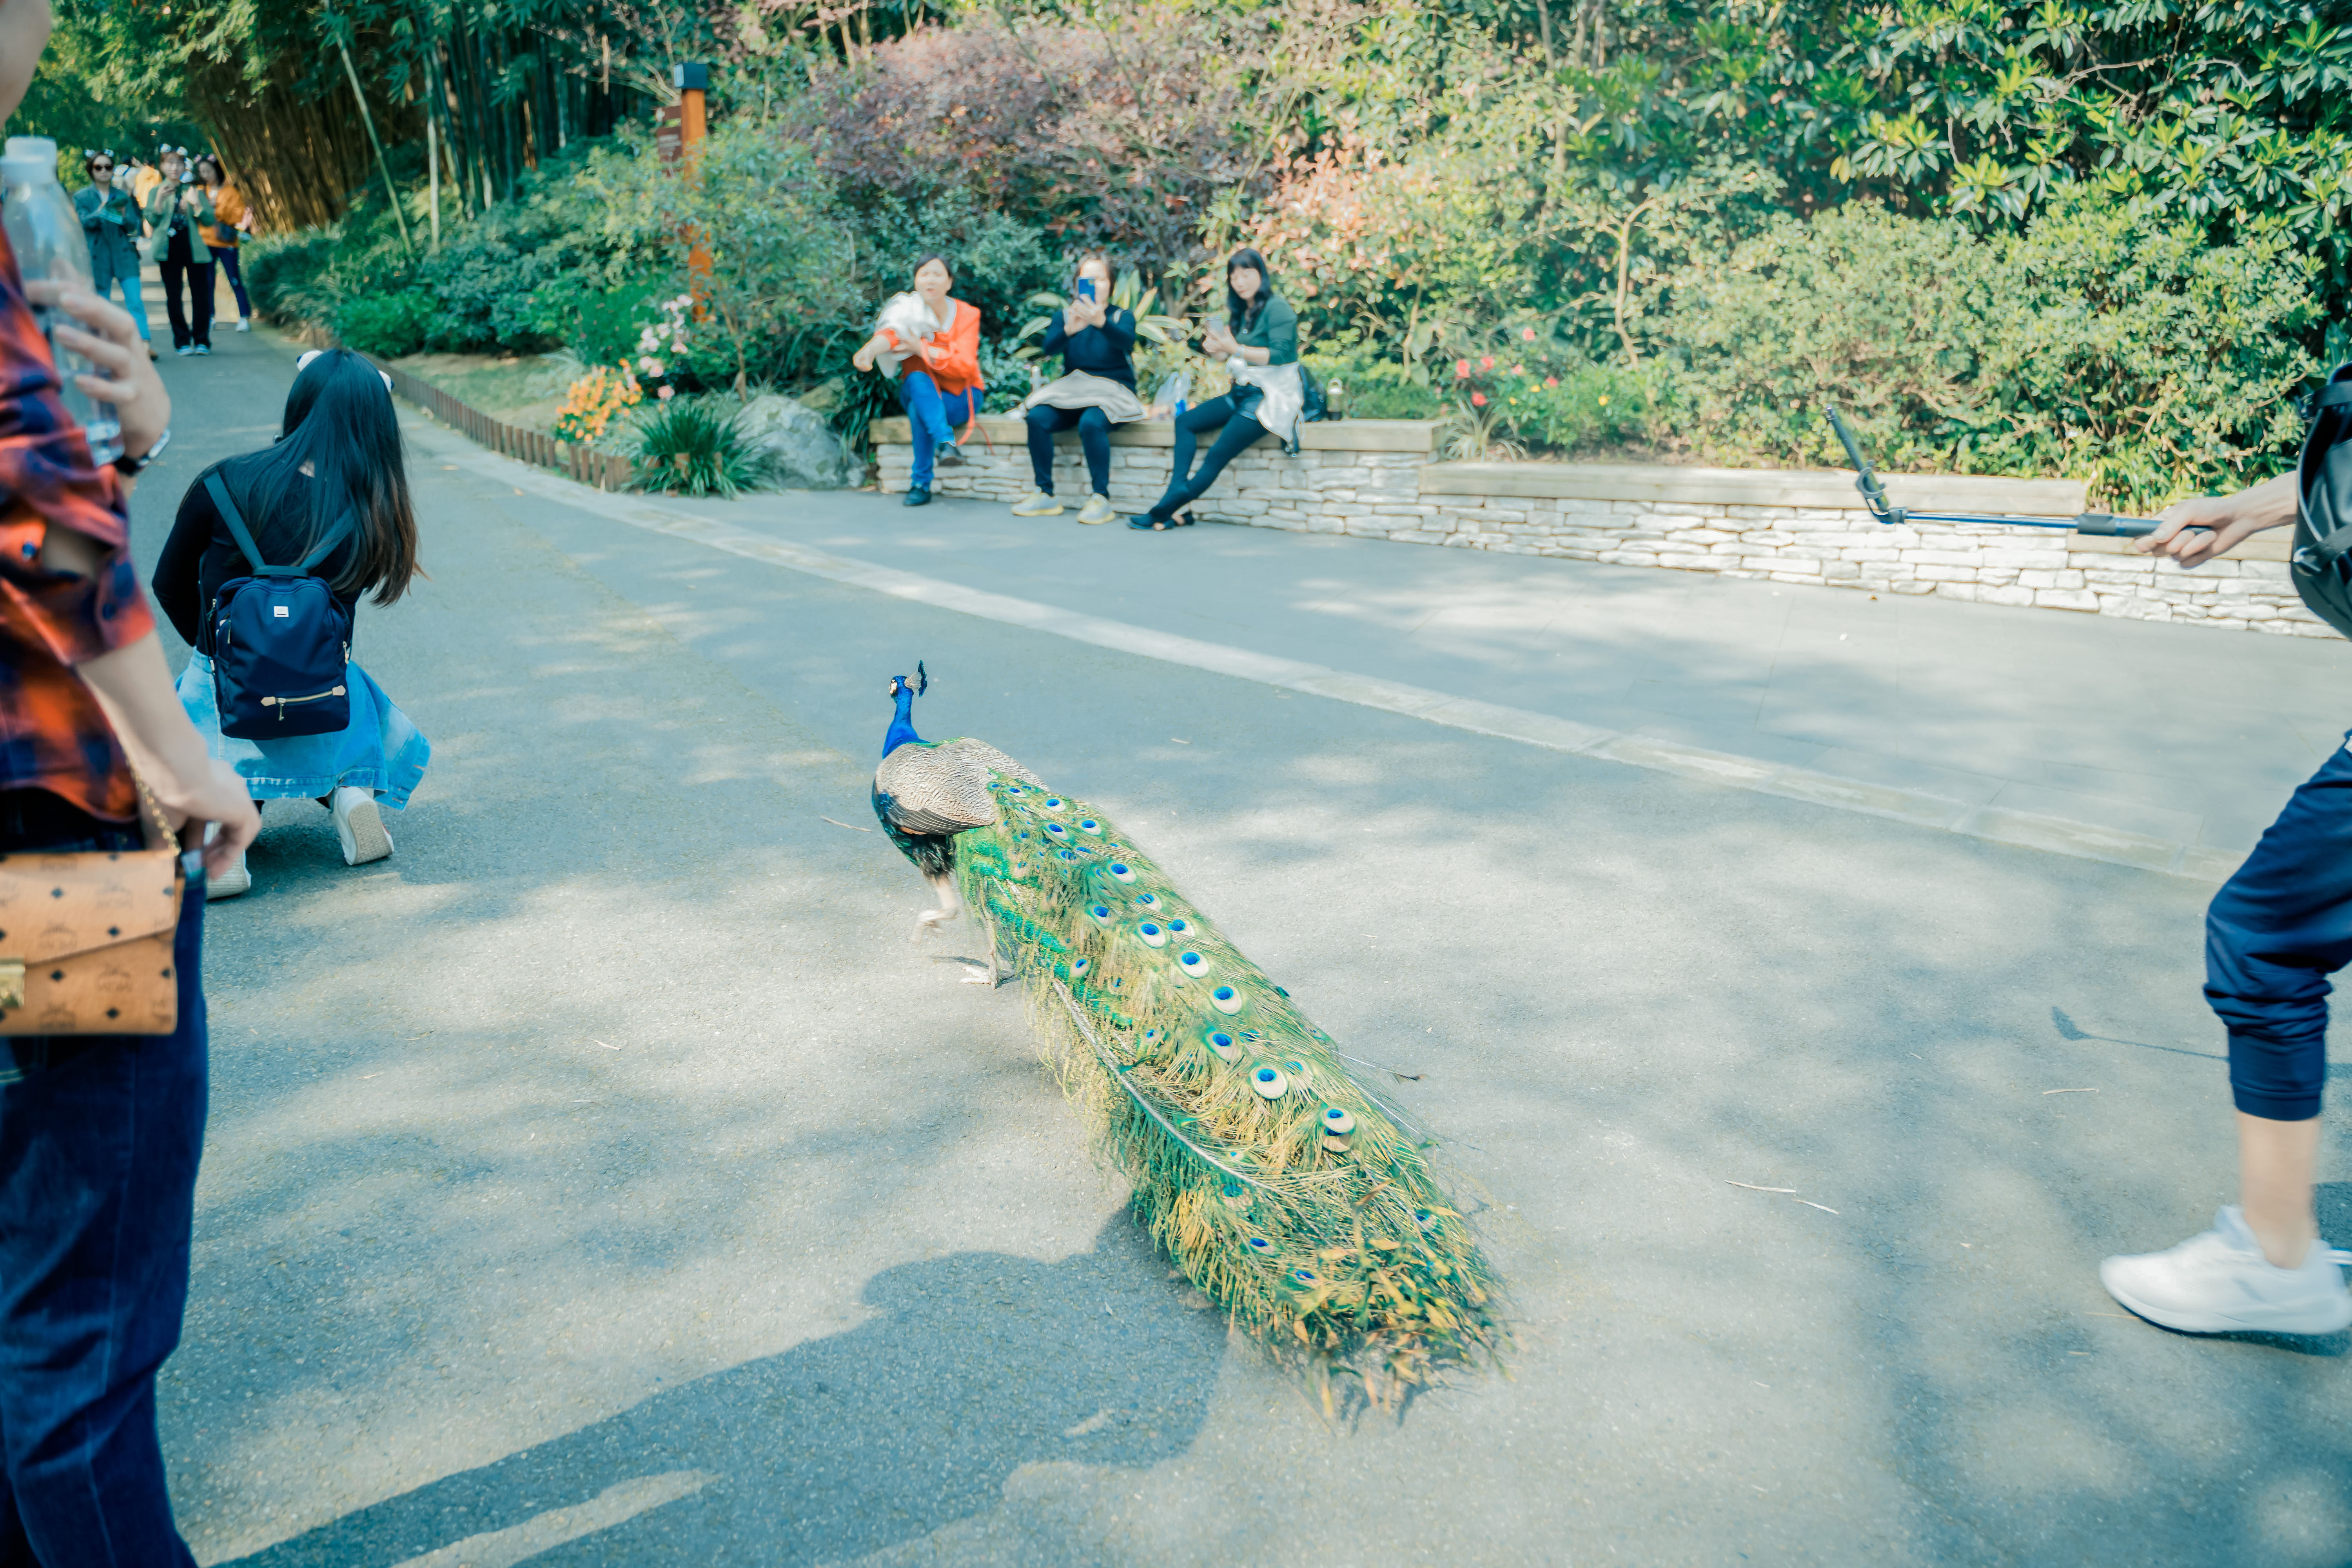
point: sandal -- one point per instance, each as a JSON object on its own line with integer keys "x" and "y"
{"x": 1148, "y": 522}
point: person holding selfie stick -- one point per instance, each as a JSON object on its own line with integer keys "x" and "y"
{"x": 176, "y": 209}
{"x": 2273, "y": 935}
{"x": 110, "y": 219}
{"x": 1096, "y": 341}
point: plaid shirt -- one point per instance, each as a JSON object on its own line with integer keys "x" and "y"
{"x": 52, "y": 734}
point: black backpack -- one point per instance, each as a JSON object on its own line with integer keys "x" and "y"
{"x": 280, "y": 640}
{"x": 2323, "y": 521}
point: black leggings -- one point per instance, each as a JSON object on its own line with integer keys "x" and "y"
{"x": 1185, "y": 486}
{"x": 1094, "y": 436}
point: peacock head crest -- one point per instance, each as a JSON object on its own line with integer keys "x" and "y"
{"x": 917, "y": 683}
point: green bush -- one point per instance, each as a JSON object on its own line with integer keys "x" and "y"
{"x": 689, "y": 448}
{"x": 1359, "y": 383}
{"x": 2109, "y": 344}
{"x": 385, "y": 326}
{"x": 284, "y": 273}
{"x": 1586, "y": 408}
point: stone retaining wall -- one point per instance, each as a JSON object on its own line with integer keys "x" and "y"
{"x": 1378, "y": 478}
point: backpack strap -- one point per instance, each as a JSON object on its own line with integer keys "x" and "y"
{"x": 235, "y": 519}
{"x": 327, "y": 545}
{"x": 332, "y": 540}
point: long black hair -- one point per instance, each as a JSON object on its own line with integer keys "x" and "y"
{"x": 1242, "y": 313}
{"x": 339, "y": 427}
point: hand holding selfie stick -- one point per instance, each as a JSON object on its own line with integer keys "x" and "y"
{"x": 1874, "y": 495}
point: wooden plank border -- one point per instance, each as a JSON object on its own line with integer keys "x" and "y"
{"x": 605, "y": 471}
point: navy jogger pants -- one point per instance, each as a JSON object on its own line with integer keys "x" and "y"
{"x": 2273, "y": 935}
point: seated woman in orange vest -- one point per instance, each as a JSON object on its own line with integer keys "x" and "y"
{"x": 938, "y": 339}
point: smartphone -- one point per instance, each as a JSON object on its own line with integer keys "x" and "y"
{"x": 1086, "y": 288}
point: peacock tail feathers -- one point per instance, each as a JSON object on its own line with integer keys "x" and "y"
{"x": 1283, "y": 1188}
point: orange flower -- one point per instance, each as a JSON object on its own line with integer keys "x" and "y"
{"x": 1477, "y": 400}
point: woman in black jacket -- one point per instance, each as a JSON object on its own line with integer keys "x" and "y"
{"x": 338, "y": 455}
{"x": 1096, "y": 341}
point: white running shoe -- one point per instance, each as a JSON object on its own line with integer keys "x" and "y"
{"x": 245, "y": 324}
{"x": 360, "y": 825}
{"x": 2221, "y": 1283}
{"x": 1096, "y": 510}
{"x": 229, "y": 883}
{"x": 1037, "y": 504}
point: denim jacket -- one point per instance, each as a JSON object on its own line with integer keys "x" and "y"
{"x": 110, "y": 219}
{"x": 163, "y": 213}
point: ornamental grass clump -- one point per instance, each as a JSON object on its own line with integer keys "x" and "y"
{"x": 690, "y": 449}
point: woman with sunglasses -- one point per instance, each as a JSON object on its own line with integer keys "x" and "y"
{"x": 112, "y": 221}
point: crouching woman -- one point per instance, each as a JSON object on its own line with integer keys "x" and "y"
{"x": 1095, "y": 391}
{"x": 338, "y": 458}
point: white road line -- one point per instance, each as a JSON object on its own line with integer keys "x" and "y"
{"x": 2056, "y": 835}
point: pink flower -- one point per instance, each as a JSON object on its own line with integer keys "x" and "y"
{"x": 667, "y": 393}
{"x": 1518, "y": 370}
{"x": 1461, "y": 367}
{"x": 1477, "y": 400}
{"x": 1488, "y": 362}
{"x": 1552, "y": 381}
{"x": 1528, "y": 335}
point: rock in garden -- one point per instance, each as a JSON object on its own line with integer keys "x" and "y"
{"x": 797, "y": 446}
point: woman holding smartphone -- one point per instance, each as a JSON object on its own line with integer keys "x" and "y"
{"x": 1259, "y": 344}
{"x": 176, "y": 209}
{"x": 1097, "y": 390}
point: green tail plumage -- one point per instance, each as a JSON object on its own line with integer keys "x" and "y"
{"x": 1286, "y": 1191}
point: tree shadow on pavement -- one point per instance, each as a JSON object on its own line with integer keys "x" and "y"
{"x": 977, "y": 1364}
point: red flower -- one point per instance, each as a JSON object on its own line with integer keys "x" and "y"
{"x": 1477, "y": 400}
{"x": 1486, "y": 364}
{"x": 1552, "y": 381}
{"x": 1528, "y": 335}
{"x": 1518, "y": 370}
{"x": 1462, "y": 367}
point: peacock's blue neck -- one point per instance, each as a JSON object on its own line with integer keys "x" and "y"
{"x": 902, "y": 722}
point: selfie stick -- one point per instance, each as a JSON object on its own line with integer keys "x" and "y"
{"x": 1874, "y": 495}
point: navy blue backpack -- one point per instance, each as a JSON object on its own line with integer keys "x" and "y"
{"x": 280, "y": 641}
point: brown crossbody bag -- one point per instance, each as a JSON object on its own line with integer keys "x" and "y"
{"x": 86, "y": 939}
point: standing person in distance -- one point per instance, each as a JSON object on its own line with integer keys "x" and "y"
{"x": 232, "y": 221}
{"x": 177, "y": 208}
{"x": 1097, "y": 390}
{"x": 942, "y": 383}
{"x": 1259, "y": 341}
{"x": 2273, "y": 935}
{"x": 110, "y": 218}
{"x": 100, "y": 1135}
{"x": 339, "y": 454}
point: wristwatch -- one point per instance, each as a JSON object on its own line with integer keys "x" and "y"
{"x": 129, "y": 466}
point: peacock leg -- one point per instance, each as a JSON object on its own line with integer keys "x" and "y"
{"x": 950, "y": 905}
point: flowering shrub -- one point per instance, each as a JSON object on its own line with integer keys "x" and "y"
{"x": 592, "y": 402}
{"x": 664, "y": 346}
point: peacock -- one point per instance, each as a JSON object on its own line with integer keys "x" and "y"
{"x": 1287, "y": 1192}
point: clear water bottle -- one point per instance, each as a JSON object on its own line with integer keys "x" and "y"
{"x": 44, "y": 231}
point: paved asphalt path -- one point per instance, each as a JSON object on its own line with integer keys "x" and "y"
{"x": 607, "y": 1179}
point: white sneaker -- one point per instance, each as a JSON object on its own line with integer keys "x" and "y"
{"x": 229, "y": 883}
{"x": 1038, "y": 504}
{"x": 2221, "y": 1283}
{"x": 360, "y": 825}
{"x": 245, "y": 324}
{"x": 1096, "y": 510}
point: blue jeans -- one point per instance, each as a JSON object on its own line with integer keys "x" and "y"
{"x": 1093, "y": 439}
{"x": 2273, "y": 935}
{"x": 109, "y": 265}
{"x": 99, "y": 1138}
{"x": 934, "y": 417}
